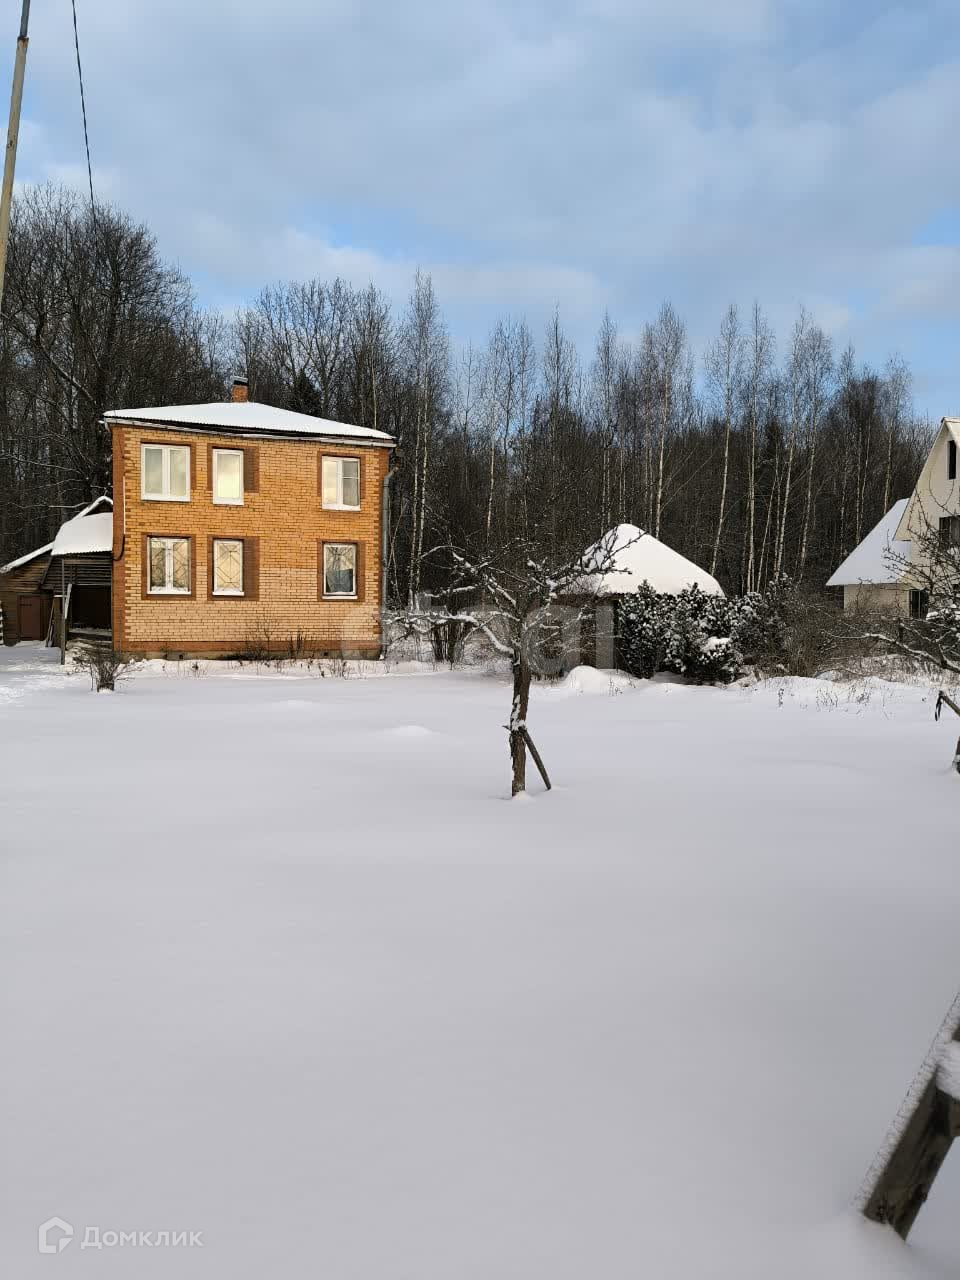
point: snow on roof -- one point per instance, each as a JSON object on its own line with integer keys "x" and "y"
{"x": 246, "y": 416}
{"x": 21, "y": 560}
{"x": 88, "y": 510}
{"x": 871, "y": 562}
{"x": 85, "y": 533}
{"x": 637, "y": 557}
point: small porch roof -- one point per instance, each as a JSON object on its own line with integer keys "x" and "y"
{"x": 88, "y": 532}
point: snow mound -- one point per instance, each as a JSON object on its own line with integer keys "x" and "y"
{"x": 408, "y": 731}
{"x": 592, "y": 680}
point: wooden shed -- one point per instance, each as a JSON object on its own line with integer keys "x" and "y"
{"x": 80, "y": 571}
{"x": 616, "y": 565}
{"x": 25, "y": 603}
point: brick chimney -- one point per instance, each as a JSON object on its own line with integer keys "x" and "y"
{"x": 238, "y": 392}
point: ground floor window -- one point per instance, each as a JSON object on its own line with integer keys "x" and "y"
{"x": 339, "y": 569}
{"x": 919, "y": 603}
{"x": 169, "y": 566}
{"x": 228, "y": 566}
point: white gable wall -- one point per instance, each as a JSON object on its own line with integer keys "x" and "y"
{"x": 935, "y": 495}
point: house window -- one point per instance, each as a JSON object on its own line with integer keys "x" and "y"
{"x": 341, "y": 483}
{"x": 950, "y": 531}
{"x": 169, "y": 565}
{"x": 228, "y": 567}
{"x": 919, "y": 604}
{"x": 228, "y": 476}
{"x": 951, "y": 459}
{"x": 339, "y": 569}
{"x": 165, "y": 472}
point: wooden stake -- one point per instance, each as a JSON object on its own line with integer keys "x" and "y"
{"x": 536, "y": 757}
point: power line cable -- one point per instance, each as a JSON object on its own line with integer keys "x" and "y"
{"x": 83, "y": 109}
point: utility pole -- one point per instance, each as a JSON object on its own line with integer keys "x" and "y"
{"x": 13, "y": 130}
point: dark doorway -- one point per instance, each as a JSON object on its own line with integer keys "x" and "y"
{"x": 90, "y": 607}
{"x": 30, "y": 620}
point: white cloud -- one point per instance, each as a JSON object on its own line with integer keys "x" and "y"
{"x": 529, "y": 153}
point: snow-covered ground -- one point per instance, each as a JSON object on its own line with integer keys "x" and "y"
{"x": 282, "y": 964}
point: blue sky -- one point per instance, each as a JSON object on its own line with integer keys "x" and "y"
{"x": 591, "y": 156}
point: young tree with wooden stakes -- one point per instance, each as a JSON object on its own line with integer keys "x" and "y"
{"x": 525, "y": 601}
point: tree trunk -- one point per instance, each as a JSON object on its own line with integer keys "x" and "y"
{"x": 518, "y": 721}
{"x": 723, "y": 495}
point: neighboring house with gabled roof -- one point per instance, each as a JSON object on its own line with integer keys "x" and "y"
{"x": 891, "y": 569}
{"x": 241, "y": 528}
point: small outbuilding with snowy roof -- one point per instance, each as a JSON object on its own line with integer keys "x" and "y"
{"x": 80, "y": 571}
{"x": 615, "y": 566}
{"x": 76, "y": 564}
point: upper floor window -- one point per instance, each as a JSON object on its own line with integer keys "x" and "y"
{"x": 228, "y": 476}
{"x": 951, "y": 459}
{"x": 340, "y": 483}
{"x": 165, "y": 472}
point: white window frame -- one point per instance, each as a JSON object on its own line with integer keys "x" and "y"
{"x": 339, "y": 595}
{"x": 227, "y": 502}
{"x": 170, "y": 539}
{"x": 339, "y": 505}
{"x": 227, "y": 591}
{"x": 166, "y": 495}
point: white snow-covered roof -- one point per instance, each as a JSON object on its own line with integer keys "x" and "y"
{"x": 879, "y": 558}
{"x": 244, "y": 417}
{"x": 89, "y": 531}
{"x": 21, "y": 560}
{"x": 636, "y": 557}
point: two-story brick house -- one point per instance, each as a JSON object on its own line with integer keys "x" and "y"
{"x": 239, "y": 527}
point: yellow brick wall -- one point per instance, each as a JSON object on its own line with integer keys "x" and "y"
{"x": 284, "y": 514}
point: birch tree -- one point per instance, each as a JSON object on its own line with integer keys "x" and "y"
{"x": 427, "y": 353}
{"x": 725, "y": 372}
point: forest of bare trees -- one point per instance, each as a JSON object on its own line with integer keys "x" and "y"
{"x": 764, "y": 454}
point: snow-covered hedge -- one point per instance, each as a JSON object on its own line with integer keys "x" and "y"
{"x": 708, "y": 638}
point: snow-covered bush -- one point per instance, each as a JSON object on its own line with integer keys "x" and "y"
{"x": 690, "y": 634}
{"x": 761, "y": 623}
{"x": 710, "y": 639}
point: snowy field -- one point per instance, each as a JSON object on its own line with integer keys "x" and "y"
{"x": 283, "y": 965}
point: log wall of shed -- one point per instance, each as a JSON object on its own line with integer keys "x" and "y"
{"x": 27, "y": 579}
